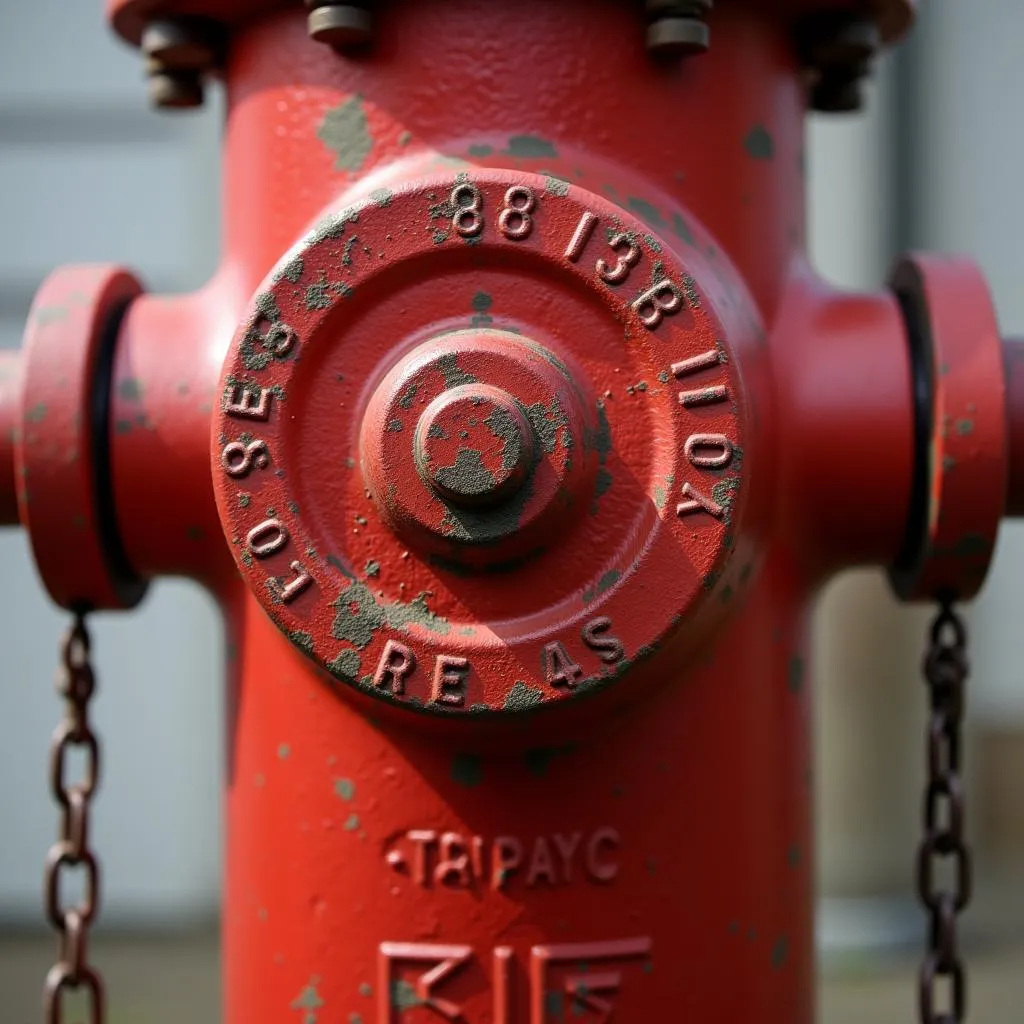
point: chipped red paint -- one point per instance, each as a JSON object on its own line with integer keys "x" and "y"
{"x": 461, "y": 762}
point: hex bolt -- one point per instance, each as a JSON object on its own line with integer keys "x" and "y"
{"x": 678, "y": 27}
{"x": 839, "y": 50}
{"x": 179, "y": 52}
{"x": 342, "y": 26}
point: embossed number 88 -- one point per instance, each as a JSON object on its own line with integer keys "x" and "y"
{"x": 515, "y": 220}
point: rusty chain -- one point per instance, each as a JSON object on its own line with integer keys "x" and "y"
{"x": 71, "y": 972}
{"x": 945, "y": 671}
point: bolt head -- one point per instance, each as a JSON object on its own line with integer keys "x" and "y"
{"x": 179, "y": 45}
{"x": 175, "y": 90}
{"x": 683, "y": 37}
{"x": 342, "y": 27}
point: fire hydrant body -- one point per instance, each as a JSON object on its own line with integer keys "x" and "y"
{"x": 531, "y": 435}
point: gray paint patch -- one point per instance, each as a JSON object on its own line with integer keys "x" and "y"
{"x": 344, "y": 132}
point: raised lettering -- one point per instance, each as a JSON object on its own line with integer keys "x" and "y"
{"x": 477, "y": 854}
{"x": 580, "y": 986}
{"x": 396, "y": 662}
{"x": 580, "y": 237}
{"x": 448, "y": 960}
{"x": 450, "y": 680}
{"x": 503, "y": 1009}
{"x": 541, "y": 863}
{"x": 422, "y": 839}
{"x": 595, "y": 635}
{"x": 514, "y": 221}
{"x": 247, "y": 401}
{"x": 566, "y": 847}
{"x": 296, "y": 586}
{"x": 661, "y": 300}
{"x": 453, "y": 860}
{"x": 704, "y": 396}
{"x": 708, "y": 451}
{"x": 279, "y": 340}
{"x": 697, "y": 363}
{"x": 468, "y": 220}
{"x": 696, "y": 501}
{"x": 506, "y": 857}
{"x": 559, "y": 668}
{"x": 240, "y": 459}
{"x": 598, "y": 869}
{"x": 267, "y": 539}
{"x": 625, "y": 260}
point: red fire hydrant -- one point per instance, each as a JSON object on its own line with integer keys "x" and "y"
{"x": 514, "y": 436}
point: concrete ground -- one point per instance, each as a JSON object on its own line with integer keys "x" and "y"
{"x": 175, "y": 981}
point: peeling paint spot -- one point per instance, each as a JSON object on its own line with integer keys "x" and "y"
{"x": 467, "y": 770}
{"x": 372, "y": 568}
{"x": 321, "y": 294}
{"x": 360, "y": 615}
{"x": 453, "y": 375}
{"x": 351, "y": 823}
{"x": 283, "y": 751}
{"x": 538, "y": 760}
{"x": 780, "y": 952}
{"x": 309, "y": 1000}
{"x": 795, "y": 674}
{"x": 522, "y": 697}
{"x": 304, "y": 642}
{"x": 394, "y": 426}
{"x": 344, "y": 789}
{"x": 365, "y": 990}
{"x": 608, "y": 580}
{"x": 293, "y": 270}
{"x": 345, "y": 133}
{"x": 529, "y": 147}
{"x": 346, "y": 665}
{"x": 682, "y": 229}
{"x": 965, "y": 427}
{"x": 381, "y": 197}
{"x": 556, "y": 186}
{"x": 403, "y": 996}
{"x": 480, "y": 149}
{"x": 130, "y": 389}
{"x": 481, "y": 305}
{"x": 759, "y": 143}
{"x": 646, "y": 211}
{"x": 37, "y": 413}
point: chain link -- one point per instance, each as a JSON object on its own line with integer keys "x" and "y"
{"x": 945, "y": 671}
{"x": 76, "y": 684}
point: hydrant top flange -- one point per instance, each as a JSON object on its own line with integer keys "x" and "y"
{"x": 480, "y": 443}
{"x": 130, "y": 17}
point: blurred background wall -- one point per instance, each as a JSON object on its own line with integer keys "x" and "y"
{"x": 88, "y": 173}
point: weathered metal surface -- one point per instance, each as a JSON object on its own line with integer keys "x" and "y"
{"x": 62, "y": 469}
{"x": 547, "y": 398}
{"x": 960, "y": 485}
